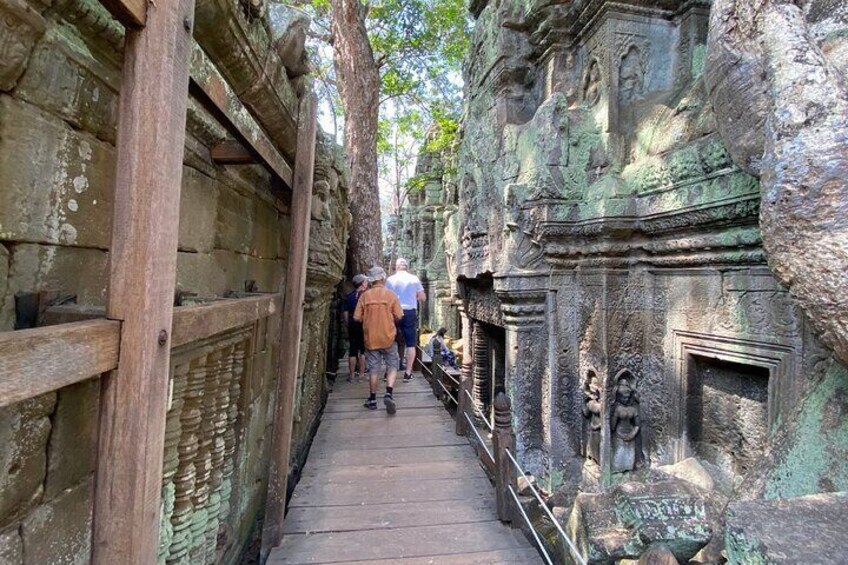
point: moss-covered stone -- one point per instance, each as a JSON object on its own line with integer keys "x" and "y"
{"x": 59, "y": 532}
{"x": 24, "y": 432}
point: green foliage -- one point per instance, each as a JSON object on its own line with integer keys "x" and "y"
{"x": 419, "y": 47}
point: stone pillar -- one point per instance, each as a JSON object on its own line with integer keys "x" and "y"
{"x": 526, "y": 368}
{"x": 465, "y": 377}
{"x": 480, "y": 371}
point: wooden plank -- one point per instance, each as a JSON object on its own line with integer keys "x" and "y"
{"x": 352, "y": 428}
{"x": 380, "y": 413}
{"x": 131, "y": 13}
{"x": 387, "y": 492}
{"x": 424, "y": 541}
{"x": 396, "y": 515}
{"x": 223, "y": 102}
{"x": 359, "y": 474}
{"x": 420, "y": 439}
{"x": 407, "y": 455}
{"x": 405, "y": 402}
{"x": 143, "y": 261}
{"x": 193, "y": 323}
{"x": 232, "y": 153}
{"x": 526, "y": 556}
{"x": 45, "y": 359}
{"x": 291, "y": 323}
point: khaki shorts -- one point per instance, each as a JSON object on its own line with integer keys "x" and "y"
{"x": 375, "y": 358}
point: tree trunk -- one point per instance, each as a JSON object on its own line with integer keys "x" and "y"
{"x": 359, "y": 86}
{"x": 763, "y": 58}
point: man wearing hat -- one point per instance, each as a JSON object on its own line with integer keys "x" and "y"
{"x": 354, "y": 329}
{"x": 379, "y": 309}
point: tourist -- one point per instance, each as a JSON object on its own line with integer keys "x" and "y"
{"x": 378, "y": 309}
{"x": 356, "y": 352}
{"x": 410, "y": 291}
{"x": 438, "y": 340}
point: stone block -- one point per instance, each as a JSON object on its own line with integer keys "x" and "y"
{"x": 73, "y": 270}
{"x": 629, "y": 519}
{"x": 234, "y": 226}
{"x": 11, "y": 547}
{"x": 58, "y": 182}
{"x": 198, "y": 273}
{"x": 808, "y": 529}
{"x": 73, "y": 443}
{"x": 24, "y": 431}
{"x": 20, "y": 29}
{"x": 59, "y": 532}
{"x": 198, "y": 211}
{"x": 236, "y": 268}
{"x": 265, "y": 241}
{"x": 65, "y": 79}
{"x": 691, "y": 471}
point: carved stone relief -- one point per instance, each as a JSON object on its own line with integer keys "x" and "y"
{"x": 624, "y": 423}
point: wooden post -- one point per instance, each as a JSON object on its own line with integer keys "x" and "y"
{"x": 502, "y": 440}
{"x": 292, "y": 322}
{"x": 436, "y": 371}
{"x": 143, "y": 262}
{"x": 465, "y": 376}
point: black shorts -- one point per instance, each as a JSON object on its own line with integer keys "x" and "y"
{"x": 408, "y": 326}
{"x": 356, "y": 337}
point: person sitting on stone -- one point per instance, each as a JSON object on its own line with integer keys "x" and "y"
{"x": 356, "y": 339}
{"x": 438, "y": 340}
{"x": 379, "y": 309}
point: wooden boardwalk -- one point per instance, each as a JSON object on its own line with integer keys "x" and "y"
{"x": 402, "y": 489}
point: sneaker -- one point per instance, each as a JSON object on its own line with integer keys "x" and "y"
{"x": 371, "y": 404}
{"x": 391, "y": 407}
{"x": 407, "y": 377}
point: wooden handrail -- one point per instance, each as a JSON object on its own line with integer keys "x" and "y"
{"x": 41, "y": 360}
{"x": 193, "y": 323}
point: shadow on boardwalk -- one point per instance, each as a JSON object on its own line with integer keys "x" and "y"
{"x": 399, "y": 489}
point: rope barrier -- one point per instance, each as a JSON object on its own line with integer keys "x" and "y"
{"x": 479, "y": 413}
{"x": 448, "y": 375}
{"x": 539, "y": 544}
{"x": 572, "y": 548}
{"x": 479, "y": 437}
{"x": 452, "y": 397}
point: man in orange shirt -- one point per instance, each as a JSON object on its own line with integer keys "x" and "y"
{"x": 378, "y": 309}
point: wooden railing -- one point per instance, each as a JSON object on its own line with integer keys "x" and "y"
{"x": 212, "y": 346}
{"x": 494, "y": 442}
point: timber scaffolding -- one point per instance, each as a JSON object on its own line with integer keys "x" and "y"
{"x": 135, "y": 346}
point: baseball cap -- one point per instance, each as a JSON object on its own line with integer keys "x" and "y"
{"x": 376, "y": 274}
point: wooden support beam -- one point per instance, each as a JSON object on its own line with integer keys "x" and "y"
{"x": 220, "y": 99}
{"x": 232, "y": 153}
{"x": 143, "y": 261}
{"x": 193, "y": 323}
{"x": 45, "y": 359}
{"x": 291, "y": 324}
{"x": 131, "y": 13}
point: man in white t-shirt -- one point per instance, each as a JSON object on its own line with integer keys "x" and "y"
{"x": 410, "y": 291}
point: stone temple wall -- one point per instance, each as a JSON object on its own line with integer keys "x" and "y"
{"x": 607, "y": 243}
{"x": 422, "y": 231}
{"x": 60, "y": 69}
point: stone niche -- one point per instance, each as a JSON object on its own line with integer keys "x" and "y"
{"x": 727, "y": 413}
{"x": 729, "y": 393}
